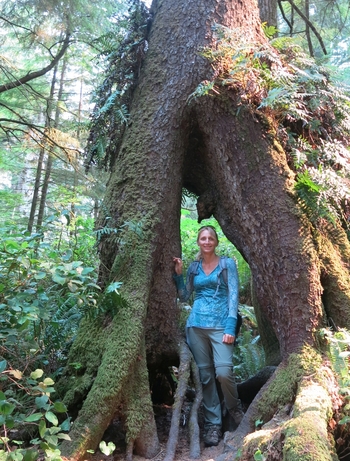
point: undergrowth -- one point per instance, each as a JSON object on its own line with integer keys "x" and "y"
{"x": 339, "y": 354}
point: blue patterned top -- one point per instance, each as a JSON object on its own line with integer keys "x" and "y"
{"x": 215, "y": 304}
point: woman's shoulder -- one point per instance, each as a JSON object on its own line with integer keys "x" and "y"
{"x": 228, "y": 261}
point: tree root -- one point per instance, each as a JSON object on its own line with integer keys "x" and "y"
{"x": 184, "y": 375}
{"x": 194, "y": 427}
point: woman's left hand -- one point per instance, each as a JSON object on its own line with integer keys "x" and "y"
{"x": 228, "y": 339}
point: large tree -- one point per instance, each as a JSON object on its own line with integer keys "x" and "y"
{"x": 230, "y": 156}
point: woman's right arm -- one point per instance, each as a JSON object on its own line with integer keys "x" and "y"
{"x": 184, "y": 291}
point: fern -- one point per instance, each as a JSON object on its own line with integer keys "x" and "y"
{"x": 339, "y": 353}
{"x": 249, "y": 356}
{"x": 321, "y": 193}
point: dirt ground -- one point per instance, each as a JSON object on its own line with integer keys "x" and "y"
{"x": 163, "y": 421}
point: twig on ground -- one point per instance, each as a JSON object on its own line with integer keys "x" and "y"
{"x": 195, "y": 450}
{"x": 184, "y": 374}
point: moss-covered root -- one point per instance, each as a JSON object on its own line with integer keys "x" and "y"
{"x": 306, "y": 436}
{"x": 300, "y": 435}
{"x": 184, "y": 374}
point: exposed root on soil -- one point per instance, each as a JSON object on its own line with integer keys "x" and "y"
{"x": 195, "y": 450}
{"x": 186, "y": 363}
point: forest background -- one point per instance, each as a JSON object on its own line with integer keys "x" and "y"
{"x": 53, "y": 64}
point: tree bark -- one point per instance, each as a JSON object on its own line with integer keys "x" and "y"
{"x": 240, "y": 173}
{"x": 268, "y": 12}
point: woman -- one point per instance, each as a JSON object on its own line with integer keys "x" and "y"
{"x": 210, "y": 330}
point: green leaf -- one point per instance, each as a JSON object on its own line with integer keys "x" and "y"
{"x": 33, "y": 417}
{"x": 59, "y": 279}
{"x": 41, "y": 402}
{"x": 3, "y": 365}
{"x": 42, "y": 428}
{"x": 63, "y": 436}
{"x": 10, "y": 422}
{"x": 48, "y": 382}
{"x": 40, "y": 275}
{"x": 51, "y": 417}
{"x": 15, "y": 455}
{"x": 52, "y": 440}
{"x": 107, "y": 449}
{"x": 68, "y": 255}
{"x": 54, "y": 430}
{"x": 87, "y": 270}
{"x": 65, "y": 426}
{"x": 60, "y": 407}
{"x": 113, "y": 287}
{"x": 37, "y": 373}
{"x": 344, "y": 420}
{"x": 6, "y": 408}
{"x": 30, "y": 455}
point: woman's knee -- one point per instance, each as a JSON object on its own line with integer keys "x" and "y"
{"x": 224, "y": 373}
{"x": 206, "y": 375}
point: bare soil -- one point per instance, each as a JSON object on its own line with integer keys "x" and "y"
{"x": 163, "y": 420}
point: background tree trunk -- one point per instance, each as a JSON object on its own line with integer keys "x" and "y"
{"x": 49, "y": 161}
{"x": 39, "y": 169}
{"x": 236, "y": 166}
{"x": 268, "y": 12}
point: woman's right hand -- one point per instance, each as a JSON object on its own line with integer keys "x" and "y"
{"x": 178, "y": 265}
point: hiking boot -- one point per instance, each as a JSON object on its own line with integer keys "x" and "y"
{"x": 237, "y": 413}
{"x": 212, "y": 436}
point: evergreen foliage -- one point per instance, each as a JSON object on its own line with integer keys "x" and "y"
{"x": 307, "y": 105}
{"x": 121, "y": 53}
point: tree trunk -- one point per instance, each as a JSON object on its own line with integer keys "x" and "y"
{"x": 42, "y": 154}
{"x": 268, "y": 12}
{"x": 240, "y": 173}
{"x": 49, "y": 161}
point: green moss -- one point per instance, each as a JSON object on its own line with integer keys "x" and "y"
{"x": 304, "y": 442}
{"x": 303, "y": 434}
{"x": 283, "y": 388}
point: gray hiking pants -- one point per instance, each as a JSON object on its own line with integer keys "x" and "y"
{"x": 214, "y": 360}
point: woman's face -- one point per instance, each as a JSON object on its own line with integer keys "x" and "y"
{"x": 207, "y": 241}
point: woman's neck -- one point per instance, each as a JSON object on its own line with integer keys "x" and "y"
{"x": 210, "y": 258}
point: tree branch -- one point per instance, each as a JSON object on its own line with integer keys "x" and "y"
{"x": 284, "y": 16}
{"x": 33, "y": 75}
{"x": 309, "y": 23}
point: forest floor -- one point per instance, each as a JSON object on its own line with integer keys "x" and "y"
{"x": 163, "y": 415}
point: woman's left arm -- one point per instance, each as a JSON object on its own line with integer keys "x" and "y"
{"x": 233, "y": 297}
